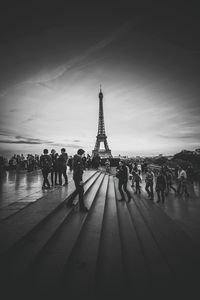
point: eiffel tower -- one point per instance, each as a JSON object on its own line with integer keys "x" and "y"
{"x": 101, "y": 135}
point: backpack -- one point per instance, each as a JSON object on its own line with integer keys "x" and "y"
{"x": 46, "y": 163}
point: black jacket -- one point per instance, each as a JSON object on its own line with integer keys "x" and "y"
{"x": 77, "y": 166}
{"x": 122, "y": 173}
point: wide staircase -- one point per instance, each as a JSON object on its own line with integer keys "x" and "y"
{"x": 117, "y": 250}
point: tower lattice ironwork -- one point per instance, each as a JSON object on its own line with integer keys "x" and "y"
{"x": 101, "y": 135}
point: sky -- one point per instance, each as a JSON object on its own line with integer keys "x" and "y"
{"x": 54, "y": 56}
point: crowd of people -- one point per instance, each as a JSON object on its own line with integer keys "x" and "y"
{"x": 159, "y": 180}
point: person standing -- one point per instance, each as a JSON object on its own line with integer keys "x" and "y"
{"x": 168, "y": 176}
{"x": 149, "y": 183}
{"x": 77, "y": 166}
{"x": 182, "y": 182}
{"x": 160, "y": 186}
{"x": 62, "y": 166}
{"x": 46, "y": 164}
{"x": 54, "y": 170}
{"x": 138, "y": 180}
{"x": 123, "y": 176}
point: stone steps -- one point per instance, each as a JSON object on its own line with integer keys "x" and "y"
{"x": 115, "y": 250}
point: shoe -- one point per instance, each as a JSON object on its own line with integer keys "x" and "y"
{"x": 84, "y": 209}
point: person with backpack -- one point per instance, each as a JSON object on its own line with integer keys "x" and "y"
{"x": 46, "y": 165}
{"x": 149, "y": 183}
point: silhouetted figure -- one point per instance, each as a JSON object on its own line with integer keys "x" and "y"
{"x": 168, "y": 177}
{"x": 70, "y": 163}
{"x": 190, "y": 173}
{"x": 182, "y": 182}
{"x": 54, "y": 169}
{"x": 88, "y": 162}
{"x": 138, "y": 180}
{"x": 160, "y": 186}
{"x": 84, "y": 159}
{"x": 62, "y": 166}
{"x": 122, "y": 173}
{"x": 46, "y": 164}
{"x": 149, "y": 183}
{"x": 107, "y": 165}
{"x": 78, "y": 179}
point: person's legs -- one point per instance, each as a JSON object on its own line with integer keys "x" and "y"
{"x": 60, "y": 176}
{"x": 65, "y": 175}
{"x": 120, "y": 190}
{"x": 80, "y": 191}
{"x": 52, "y": 177}
{"x": 43, "y": 174}
{"x": 163, "y": 195}
{"x": 173, "y": 188}
{"x": 56, "y": 176}
{"x": 46, "y": 181}
{"x": 151, "y": 189}
{"x": 147, "y": 189}
{"x": 179, "y": 187}
{"x": 126, "y": 191}
{"x": 158, "y": 194}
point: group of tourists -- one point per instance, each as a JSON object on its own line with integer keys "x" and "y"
{"x": 18, "y": 162}
{"x": 57, "y": 165}
{"x": 163, "y": 181}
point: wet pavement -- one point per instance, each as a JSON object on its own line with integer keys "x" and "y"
{"x": 18, "y": 185}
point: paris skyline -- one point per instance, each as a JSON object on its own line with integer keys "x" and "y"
{"x": 147, "y": 61}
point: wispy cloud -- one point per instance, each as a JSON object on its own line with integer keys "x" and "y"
{"x": 24, "y": 140}
{"x": 59, "y": 71}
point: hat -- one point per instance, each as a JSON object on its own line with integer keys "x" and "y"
{"x": 80, "y": 151}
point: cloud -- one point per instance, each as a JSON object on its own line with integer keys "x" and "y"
{"x": 18, "y": 142}
{"x": 59, "y": 71}
{"x": 185, "y": 136}
{"x": 66, "y": 145}
{"x": 24, "y": 140}
{"x": 27, "y": 120}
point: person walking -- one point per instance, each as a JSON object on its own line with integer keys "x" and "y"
{"x": 122, "y": 174}
{"x": 46, "y": 165}
{"x": 160, "y": 186}
{"x": 77, "y": 166}
{"x": 149, "y": 183}
{"x": 62, "y": 166}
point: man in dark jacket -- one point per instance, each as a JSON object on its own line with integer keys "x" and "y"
{"x": 161, "y": 186}
{"x": 46, "y": 165}
{"x": 122, "y": 174}
{"x": 62, "y": 166}
{"x": 78, "y": 180}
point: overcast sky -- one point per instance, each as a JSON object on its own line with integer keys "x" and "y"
{"x": 54, "y": 58}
